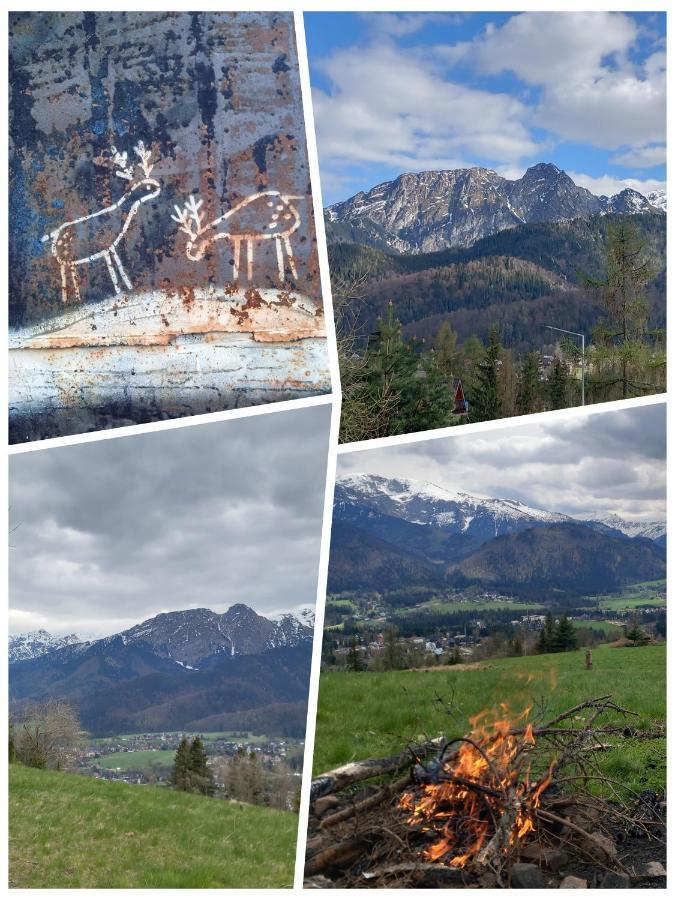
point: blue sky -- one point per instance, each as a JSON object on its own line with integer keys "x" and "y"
{"x": 398, "y": 92}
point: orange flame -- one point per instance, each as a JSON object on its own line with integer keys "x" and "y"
{"x": 488, "y": 776}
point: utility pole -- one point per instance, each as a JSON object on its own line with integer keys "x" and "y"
{"x": 583, "y": 357}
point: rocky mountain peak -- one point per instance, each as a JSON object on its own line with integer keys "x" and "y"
{"x": 422, "y": 212}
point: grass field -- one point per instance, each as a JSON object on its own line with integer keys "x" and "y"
{"x": 72, "y": 831}
{"x": 441, "y": 605}
{"x": 630, "y": 601}
{"x": 137, "y": 759}
{"x": 363, "y": 714}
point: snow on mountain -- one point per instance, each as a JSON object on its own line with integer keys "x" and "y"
{"x": 651, "y": 530}
{"x": 187, "y": 637}
{"x": 192, "y": 635}
{"x": 289, "y": 632}
{"x": 361, "y": 498}
{"x": 36, "y": 643}
{"x": 424, "y": 212}
{"x": 658, "y": 199}
{"x": 424, "y": 503}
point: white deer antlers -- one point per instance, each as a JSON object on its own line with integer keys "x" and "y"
{"x": 119, "y": 161}
{"x": 188, "y": 214}
{"x": 268, "y": 215}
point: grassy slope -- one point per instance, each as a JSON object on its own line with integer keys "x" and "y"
{"x": 72, "y": 831}
{"x": 373, "y": 714}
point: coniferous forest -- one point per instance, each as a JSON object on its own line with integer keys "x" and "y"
{"x": 467, "y": 335}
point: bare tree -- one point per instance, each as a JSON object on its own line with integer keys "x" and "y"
{"x": 45, "y": 733}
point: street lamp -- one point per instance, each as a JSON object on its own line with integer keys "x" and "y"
{"x": 583, "y": 357}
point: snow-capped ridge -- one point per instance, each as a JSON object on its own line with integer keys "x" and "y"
{"x": 34, "y": 644}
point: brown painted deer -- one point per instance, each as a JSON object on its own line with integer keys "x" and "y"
{"x": 97, "y": 235}
{"x": 267, "y": 216}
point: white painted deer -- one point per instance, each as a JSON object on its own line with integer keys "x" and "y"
{"x": 268, "y": 216}
{"x": 97, "y": 235}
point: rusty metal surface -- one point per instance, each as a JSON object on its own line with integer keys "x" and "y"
{"x": 159, "y": 197}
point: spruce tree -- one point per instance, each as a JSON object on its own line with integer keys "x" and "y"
{"x": 486, "y": 401}
{"x": 636, "y": 634}
{"x": 201, "y": 775}
{"x": 180, "y": 773}
{"x": 545, "y": 640}
{"x": 528, "y": 385}
{"x": 354, "y": 657}
{"x": 557, "y": 385}
{"x": 564, "y": 635}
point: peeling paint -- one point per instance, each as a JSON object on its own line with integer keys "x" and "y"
{"x": 101, "y": 303}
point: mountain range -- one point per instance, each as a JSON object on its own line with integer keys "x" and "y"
{"x": 390, "y": 533}
{"x": 424, "y": 212}
{"x": 36, "y": 643}
{"x": 192, "y": 669}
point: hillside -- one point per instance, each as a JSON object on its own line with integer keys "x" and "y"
{"x": 361, "y": 561}
{"x": 127, "y": 689}
{"x": 565, "y": 558}
{"x": 124, "y": 836}
{"x": 520, "y": 279}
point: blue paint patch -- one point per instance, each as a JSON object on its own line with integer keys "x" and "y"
{"x": 58, "y": 204}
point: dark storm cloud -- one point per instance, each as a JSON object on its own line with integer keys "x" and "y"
{"x": 112, "y": 532}
{"x": 597, "y": 463}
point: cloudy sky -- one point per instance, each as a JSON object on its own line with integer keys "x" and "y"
{"x": 413, "y": 91}
{"x": 107, "y": 534}
{"x": 591, "y": 465}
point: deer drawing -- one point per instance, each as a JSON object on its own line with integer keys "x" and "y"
{"x": 97, "y": 235}
{"x": 267, "y": 216}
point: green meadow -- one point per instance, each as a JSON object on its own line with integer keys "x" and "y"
{"x": 365, "y": 714}
{"x": 73, "y": 831}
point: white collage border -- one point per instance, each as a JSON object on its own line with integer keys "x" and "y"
{"x": 297, "y": 7}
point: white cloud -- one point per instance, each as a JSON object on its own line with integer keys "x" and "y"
{"x": 551, "y": 48}
{"x": 403, "y": 24}
{"x": 590, "y": 466}
{"x": 642, "y": 157}
{"x": 591, "y": 90}
{"x": 610, "y": 184}
{"x": 393, "y": 106}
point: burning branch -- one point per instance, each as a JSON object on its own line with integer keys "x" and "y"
{"x": 482, "y": 800}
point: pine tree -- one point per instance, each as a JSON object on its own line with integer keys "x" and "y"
{"x": 180, "y": 773}
{"x": 354, "y": 657}
{"x": 201, "y": 775}
{"x": 546, "y": 635}
{"x": 636, "y": 634}
{"x": 486, "y": 400}
{"x": 564, "y": 635}
{"x": 528, "y": 385}
{"x": 557, "y": 385}
{"x": 622, "y": 362}
{"x": 447, "y": 351}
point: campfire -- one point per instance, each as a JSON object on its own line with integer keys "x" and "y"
{"x": 482, "y": 797}
{"x": 512, "y": 803}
